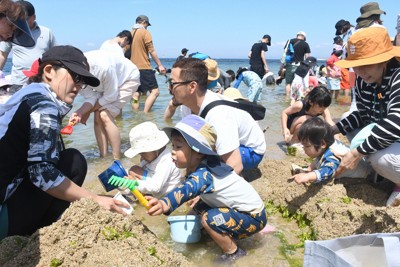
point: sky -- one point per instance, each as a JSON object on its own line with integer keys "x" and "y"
{"x": 219, "y": 28}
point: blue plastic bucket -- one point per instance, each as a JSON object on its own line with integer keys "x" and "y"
{"x": 115, "y": 169}
{"x": 185, "y": 229}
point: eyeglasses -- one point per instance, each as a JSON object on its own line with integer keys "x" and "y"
{"x": 78, "y": 79}
{"x": 171, "y": 84}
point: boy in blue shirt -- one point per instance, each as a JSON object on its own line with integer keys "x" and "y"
{"x": 230, "y": 208}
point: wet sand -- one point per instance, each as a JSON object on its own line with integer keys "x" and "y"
{"x": 87, "y": 235}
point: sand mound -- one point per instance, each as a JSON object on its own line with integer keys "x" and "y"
{"x": 87, "y": 235}
{"x": 345, "y": 207}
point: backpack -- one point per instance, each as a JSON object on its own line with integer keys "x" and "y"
{"x": 288, "y": 53}
{"x": 256, "y": 111}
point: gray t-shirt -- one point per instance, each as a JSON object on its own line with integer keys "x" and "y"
{"x": 23, "y": 57}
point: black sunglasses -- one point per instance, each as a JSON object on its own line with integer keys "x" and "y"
{"x": 171, "y": 84}
{"x": 78, "y": 79}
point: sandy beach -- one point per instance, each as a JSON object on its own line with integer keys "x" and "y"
{"x": 87, "y": 235}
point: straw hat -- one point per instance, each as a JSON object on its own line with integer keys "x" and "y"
{"x": 233, "y": 93}
{"x": 145, "y": 137}
{"x": 213, "y": 70}
{"x": 369, "y": 9}
{"x": 369, "y": 46}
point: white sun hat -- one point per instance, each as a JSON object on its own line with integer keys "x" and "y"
{"x": 145, "y": 137}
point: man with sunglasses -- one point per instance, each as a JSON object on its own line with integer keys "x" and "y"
{"x": 22, "y": 57}
{"x": 142, "y": 46}
{"x": 241, "y": 143}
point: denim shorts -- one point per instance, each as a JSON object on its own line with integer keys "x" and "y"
{"x": 250, "y": 159}
{"x": 231, "y": 222}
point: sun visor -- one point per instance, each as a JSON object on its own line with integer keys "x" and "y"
{"x": 22, "y": 35}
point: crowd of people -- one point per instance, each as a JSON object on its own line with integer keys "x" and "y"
{"x": 40, "y": 177}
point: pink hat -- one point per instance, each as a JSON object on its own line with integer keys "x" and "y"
{"x": 34, "y": 69}
{"x": 3, "y": 80}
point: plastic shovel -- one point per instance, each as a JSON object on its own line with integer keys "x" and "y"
{"x": 68, "y": 129}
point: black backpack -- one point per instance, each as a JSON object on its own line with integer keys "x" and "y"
{"x": 257, "y": 111}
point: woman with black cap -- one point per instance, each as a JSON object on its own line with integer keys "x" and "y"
{"x": 39, "y": 177}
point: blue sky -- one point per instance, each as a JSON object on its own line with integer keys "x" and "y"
{"x": 219, "y": 28}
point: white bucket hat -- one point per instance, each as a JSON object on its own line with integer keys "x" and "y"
{"x": 145, "y": 137}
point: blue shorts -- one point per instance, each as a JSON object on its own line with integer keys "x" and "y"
{"x": 250, "y": 159}
{"x": 231, "y": 222}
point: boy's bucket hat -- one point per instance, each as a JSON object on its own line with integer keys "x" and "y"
{"x": 201, "y": 137}
{"x": 369, "y": 46}
{"x": 145, "y": 137}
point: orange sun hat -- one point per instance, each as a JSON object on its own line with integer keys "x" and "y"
{"x": 369, "y": 46}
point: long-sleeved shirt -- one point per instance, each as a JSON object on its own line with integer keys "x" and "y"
{"x": 231, "y": 191}
{"x": 162, "y": 175}
{"x": 380, "y": 104}
{"x": 30, "y": 124}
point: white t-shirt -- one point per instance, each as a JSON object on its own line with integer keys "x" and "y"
{"x": 112, "y": 71}
{"x": 162, "y": 175}
{"x": 113, "y": 48}
{"x": 234, "y": 126}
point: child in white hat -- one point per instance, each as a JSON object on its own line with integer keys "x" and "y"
{"x": 156, "y": 174}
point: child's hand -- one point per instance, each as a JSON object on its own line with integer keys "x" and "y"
{"x": 136, "y": 172}
{"x": 302, "y": 178}
{"x": 156, "y": 206}
{"x": 193, "y": 202}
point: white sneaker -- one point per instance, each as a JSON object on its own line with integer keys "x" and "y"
{"x": 394, "y": 198}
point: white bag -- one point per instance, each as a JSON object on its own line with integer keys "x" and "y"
{"x": 382, "y": 249}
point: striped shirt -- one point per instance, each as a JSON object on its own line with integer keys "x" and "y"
{"x": 379, "y": 104}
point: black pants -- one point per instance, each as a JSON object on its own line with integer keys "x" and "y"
{"x": 31, "y": 208}
{"x": 259, "y": 69}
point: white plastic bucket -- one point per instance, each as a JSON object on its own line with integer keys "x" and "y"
{"x": 185, "y": 228}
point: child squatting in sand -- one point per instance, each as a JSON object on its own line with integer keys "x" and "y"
{"x": 319, "y": 143}
{"x": 230, "y": 208}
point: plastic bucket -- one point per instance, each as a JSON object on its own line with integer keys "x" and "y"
{"x": 185, "y": 229}
{"x": 115, "y": 169}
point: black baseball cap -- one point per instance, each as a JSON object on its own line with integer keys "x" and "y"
{"x": 72, "y": 58}
{"x": 339, "y": 26}
{"x": 184, "y": 50}
{"x": 269, "y": 39}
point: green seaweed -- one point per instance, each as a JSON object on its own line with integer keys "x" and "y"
{"x": 110, "y": 233}
{"x": 55, "y": 262}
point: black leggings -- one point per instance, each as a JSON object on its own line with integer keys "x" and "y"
{"x": 31, "y": 208}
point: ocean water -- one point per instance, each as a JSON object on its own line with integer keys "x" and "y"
{"x": 273, "y": 98}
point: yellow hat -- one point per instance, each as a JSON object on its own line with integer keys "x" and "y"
{"x": 233, "y": 93}
{"x": 213, "y": 70}
{"x": 369, "y": 46}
